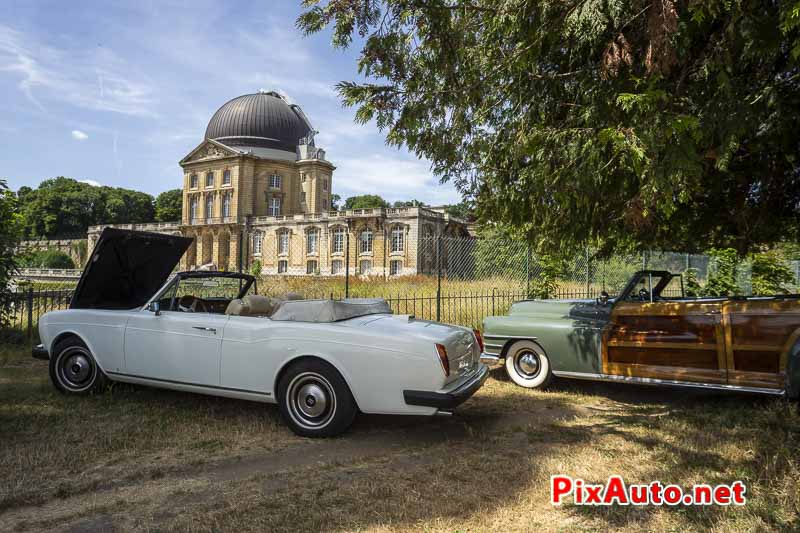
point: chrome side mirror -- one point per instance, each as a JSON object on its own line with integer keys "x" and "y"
{"x": 155, "y": 308}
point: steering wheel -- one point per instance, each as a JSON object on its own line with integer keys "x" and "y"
{"x": 191, "y": 304}
{"x": 644, "y": 295}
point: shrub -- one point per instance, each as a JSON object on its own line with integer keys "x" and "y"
{"x": 771, "y": 274}
{"x": 691, "y": 284}
{"x": 722, "y": 281}
{"x": 48, "y": 258}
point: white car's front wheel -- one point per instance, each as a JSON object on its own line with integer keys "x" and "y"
{"x": 527, "y": 365}
{"x": 314, "y": 399}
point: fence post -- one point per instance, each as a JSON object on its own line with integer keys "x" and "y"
{"x": 347, "y": 264}
{"x": 493, "y": 311}
{"x": 438, "y": 278}
{"x": 588, "y": 275}
{"x": 528, "y": 271}
{"x": 30, "y": 312}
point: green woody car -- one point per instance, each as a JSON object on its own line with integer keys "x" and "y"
{"x": 653, "y": 334}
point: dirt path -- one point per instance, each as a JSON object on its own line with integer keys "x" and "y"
{"x": 399, "y": 442}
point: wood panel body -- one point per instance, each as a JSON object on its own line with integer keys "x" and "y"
{"x": 744, "y": 343}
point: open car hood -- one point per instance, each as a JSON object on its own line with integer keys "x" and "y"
{"x": 126, "y": 269}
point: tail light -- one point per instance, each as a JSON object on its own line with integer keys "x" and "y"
{"x": 440, "y": 349}
{"x": 479, "y": 338}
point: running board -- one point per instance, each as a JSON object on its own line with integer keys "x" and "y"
{"x": 673, "y": 383}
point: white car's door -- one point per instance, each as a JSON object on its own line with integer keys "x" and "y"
{"x": 175, "y": 346}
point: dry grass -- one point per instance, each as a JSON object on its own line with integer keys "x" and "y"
{"x": 143, "y": 459}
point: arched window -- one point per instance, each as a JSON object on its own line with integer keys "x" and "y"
{"x": 365, "y": 242}
{"x": 398, "y": 234}
{"x": 337, "y": 246}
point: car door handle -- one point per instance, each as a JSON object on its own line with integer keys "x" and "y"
{"x": 203, "y": 328}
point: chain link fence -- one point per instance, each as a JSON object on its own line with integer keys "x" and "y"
{"x": 448, "y": 279}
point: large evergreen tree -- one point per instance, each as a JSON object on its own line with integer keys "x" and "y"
{"x": 656, "y": 123}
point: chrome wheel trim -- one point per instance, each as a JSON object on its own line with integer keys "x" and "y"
{"x": 310, "y": 400}
{"x": 75, "y": 369}
{"x": 527, "y": 363}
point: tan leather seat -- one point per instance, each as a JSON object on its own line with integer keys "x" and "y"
{"x": 260, "y": 305}
{"x": 237, "y": 308}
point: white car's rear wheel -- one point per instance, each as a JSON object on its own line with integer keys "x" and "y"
{"x": 527, "y": 365}
{"x": 314, "y": 399}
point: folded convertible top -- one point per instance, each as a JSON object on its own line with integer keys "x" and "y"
{"x": 329, "y": 310}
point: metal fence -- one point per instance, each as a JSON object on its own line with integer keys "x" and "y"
{"x": 448, "y": 279}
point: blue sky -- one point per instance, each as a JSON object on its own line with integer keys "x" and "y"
{"x": 118, "y": 92}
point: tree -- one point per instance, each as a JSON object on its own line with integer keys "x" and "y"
{"x": 464, "y": 210}
{"x": 650, "y": 123}
{"x": 771, "y": 274}
{"x": 365, "y": 201}
{"x": 10, "y": 225}
{"x": 169, "y": 206}
{"x": 64, "y": 207}
{"x": 335, "y": 199}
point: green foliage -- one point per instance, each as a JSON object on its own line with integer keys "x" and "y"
{"x": 64, "y": 207}
{"x": 169, "y": 206}
{"x": 691, "y": 284}
{"x": 79, "y": 250}
{"x": 47, "y": 258}
{"x": 335, "y": 199}
{"x": 10, "y": 226}
{"x": 255, "y": 268}
{"x": 464, "y": 210}
{"x": 722, "y": 280}
{"x": 771, "y": 274}
{"x": 550, "y": 269}
{"x": 365, "y": 201}
{"x": 659, "y": 124}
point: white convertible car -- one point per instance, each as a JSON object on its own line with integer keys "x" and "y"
{"x": 321, "y": 361}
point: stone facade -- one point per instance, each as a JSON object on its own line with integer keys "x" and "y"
{"x": 243, "y": 204}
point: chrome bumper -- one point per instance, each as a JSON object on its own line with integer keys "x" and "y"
{"x": 489, "y": 359}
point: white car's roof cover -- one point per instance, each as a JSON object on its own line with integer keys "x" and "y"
{"x": 329, "y": 310}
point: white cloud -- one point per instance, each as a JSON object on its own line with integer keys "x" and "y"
{"x": 93, "y": 79}
{"x": 93, "y": 183}
{"x": 78, "y": 135}
{"x": 393, "y": 178}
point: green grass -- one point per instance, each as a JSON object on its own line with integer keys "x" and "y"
{"x": 144, "y": 459}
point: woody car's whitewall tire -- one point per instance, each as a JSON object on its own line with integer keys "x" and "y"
{"x": 527, "y": 365}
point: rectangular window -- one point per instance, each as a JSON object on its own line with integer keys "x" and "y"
{"x": 324, "y": 185}
{"x": 209, "y": 206}
{"x": 226, "y": 177}
{"x": 302, "y": 177}
{"x": 338, "y": 241}
{"x": 210, "y": 179}
{"x": 397, "y": 239}
{"x": 275, "y": 182}
{"x": 275, "y": 206}
{"x": 193, "y": 208}
{"x": 283, "y": 243}
{"x": 311, "y": 267}
{"x": 257, "y": 239}
{"x": 395, "y": 267}
{"x": 365, "y": 266}
{"x": 366, "y": 242}
{"x": 324, "y": 203}
{"x": 226, "y": 205}
{"x": 193, "y": 181}
{"x": 312, "y": 241}
{"x": 303, "y": 196}
{"x": 283, "y": 266}
{"x": 337, "y": 266}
